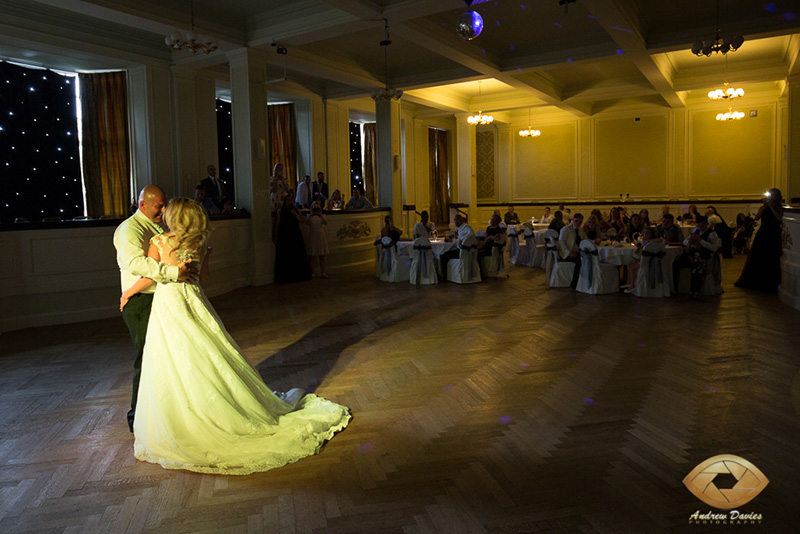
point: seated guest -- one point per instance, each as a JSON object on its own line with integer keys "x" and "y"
{"x": 336, "y": 202}
{"x": 701, "y": 245}
{"x": 623, "y": 211}
{"x": 650, "y": 235}
{"x": 497, "y": 213}
{"x": 494, "y": 234}
{"x": 603, "y": 224}
{"x": 665, "y": 211}
{"x": 547, "y": 218}
{"x": 569, "y": 240}
{"x": 668, "y": 230}
{"x": 511, "y": 217}
{"x": 616, "y": 222}
{"x": 463, "y": 232}
{"x": 423, "y": 228}
{"x": 635, "y": 227}
{"x": 201, "y": 198}
{"x": 305, "y": 194}
{"x": 357, "y": 202}
{"x": 390, "y": 230}
{"x": 692, "y": 214}
{"x": 592, "y": 229}
{"x": 558, "y": 221}
{"x": 645, "y": 215}
{"x": 567, "y": 215}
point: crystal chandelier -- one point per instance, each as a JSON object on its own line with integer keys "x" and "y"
{"x": 191, "y": 41}
{"x": 530, "y": 132}
{"x": 386, "y": 92}
{"x": 480, "y": 118}
{"x": 730, "y": 115}
{"x": 727, "y": 92}
{"x": 718, "y": 44}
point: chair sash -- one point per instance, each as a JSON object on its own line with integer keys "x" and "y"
{"x": 654, "y": 266}
{"x": 386, "y": 257}
{"x": 422, "y": 262}
{"x": 466, "y": 256}
{"x": 587, "y": 265}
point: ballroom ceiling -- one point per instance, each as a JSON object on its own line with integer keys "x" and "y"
{"x": 593, "y": 56}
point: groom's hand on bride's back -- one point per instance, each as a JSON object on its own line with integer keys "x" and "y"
{"x": 187, "y": 272}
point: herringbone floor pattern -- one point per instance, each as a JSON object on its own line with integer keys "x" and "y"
{"x": 501, "y": 407}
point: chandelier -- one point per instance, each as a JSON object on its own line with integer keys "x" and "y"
{"x": 727, "y": 92}
{"x": 530, "y": 132}
{"x": 480, "y": 118}
{"x": 191, "y": 41}
{"x": 730, "y": 115}
{"x": 718, "y": 44}
{"x": 386, "y": 92}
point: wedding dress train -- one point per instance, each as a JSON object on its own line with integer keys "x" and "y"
{"x": 202, "y": 407}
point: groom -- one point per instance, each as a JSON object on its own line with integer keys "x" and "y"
{"x": 132, "y": 241}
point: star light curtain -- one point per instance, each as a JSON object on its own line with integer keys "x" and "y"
{"x": 225, "y": 143}
{"x": 39, "y": 148}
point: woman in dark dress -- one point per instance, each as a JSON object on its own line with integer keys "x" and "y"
{"x": 291, "y": 261}
{"x": 762, "y": 270}
{"x": 390, "y": 230}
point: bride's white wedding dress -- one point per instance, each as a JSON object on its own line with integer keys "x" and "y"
{"x": 203, "y": 408}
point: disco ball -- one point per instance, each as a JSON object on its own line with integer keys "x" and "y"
{"x": 470, "y": 25}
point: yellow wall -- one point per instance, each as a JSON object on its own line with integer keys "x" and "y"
{"x": 545, "y": 167}
{"x": 631, "y": 157}
{"x": 732, "y": 158}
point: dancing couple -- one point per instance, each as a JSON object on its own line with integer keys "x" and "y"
{"x": 197, "y": 404}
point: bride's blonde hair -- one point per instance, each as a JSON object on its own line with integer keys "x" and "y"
{"x": 188, "y": 221}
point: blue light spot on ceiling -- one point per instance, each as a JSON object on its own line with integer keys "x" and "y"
{"x": 621, "y": 29}
{"x": 512, "y": 46}
{"x": 559, "y": 25}
{"x": 770, "y": 7}
{"x": 789, "y": 16}
{"x": 523, "y": 6}
{"x": 569, "y": 60}
{"x": 619, "y": 51}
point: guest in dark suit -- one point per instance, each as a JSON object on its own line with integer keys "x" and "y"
{"x": 320, "y": 189}
{"x": 215, "y": 188}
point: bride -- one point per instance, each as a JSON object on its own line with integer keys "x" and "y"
{"x": 201, "y": 406}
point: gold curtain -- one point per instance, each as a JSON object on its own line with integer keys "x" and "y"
{"x": 370, "y": 161}
{"x": 282, "y": 141}
{"x": 439, "y": 177}
{"x": 104, "y": 142}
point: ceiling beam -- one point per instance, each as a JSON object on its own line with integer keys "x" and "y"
{"x": 628, "y": 36}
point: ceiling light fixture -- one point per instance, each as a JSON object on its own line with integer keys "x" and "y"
{"x": 191, "y": 41}
{"x": 727, "y": 92}
{"x": 718, "y": 44}
{"x": 530, "y": 132}
{"x": 566, "y": 4}
{"x": 470, "y": 24}
{"x": 730, "y": 115}
{"x": 386, "y": 92}
{"x": 480, "y": 118}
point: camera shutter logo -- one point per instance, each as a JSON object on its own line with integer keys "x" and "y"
{"x": 750, "y": 481}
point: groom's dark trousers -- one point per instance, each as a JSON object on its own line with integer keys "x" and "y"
{"x": 136, "y": 313}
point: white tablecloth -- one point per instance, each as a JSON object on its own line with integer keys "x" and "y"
{"x": 623, "y": 255}
{"x": 538, "y": 237}
{"x": 536, "y": 227}
{"x": 406, "y": 248}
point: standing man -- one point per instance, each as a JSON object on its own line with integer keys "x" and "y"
{"x": 132, "y": 241}
{"x": 215, "y": 188}
{"x": 569, "y": 240}
{"x": 320, "y": 189}
{"x": 304, "y": 196}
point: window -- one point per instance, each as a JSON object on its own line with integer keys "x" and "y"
{"x": 39, "y": 145}
{"x": 225, "y": 143}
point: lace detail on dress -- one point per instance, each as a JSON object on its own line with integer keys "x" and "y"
{"x": 167, "y": 246}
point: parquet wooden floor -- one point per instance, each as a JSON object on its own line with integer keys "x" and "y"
{"x": 502, "y": 407}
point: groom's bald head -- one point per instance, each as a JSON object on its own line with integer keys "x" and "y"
{"x": 152, "y": 201}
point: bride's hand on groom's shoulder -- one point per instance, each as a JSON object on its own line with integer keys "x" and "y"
{"x": 187, "y": 272}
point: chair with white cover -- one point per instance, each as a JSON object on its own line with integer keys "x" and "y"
{"x": 465, "y": 270}
{"x": 423, "y": 266}
{"x": 393, "y": 269}
{"x": 514, "y": 254}
{"x": 558, "y": 273}
{"x": 596, "y": 278}
{"x": 378, "y": 249}
{"x": 532, "y": 254}
{"x": 712, "y": 283}
{"x": 653, "y": 278}
{"x": 494, "y": 264}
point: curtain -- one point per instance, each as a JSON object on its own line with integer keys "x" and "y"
{"x": 371, "y": 162}
{"x": 106, "y": 153}
{"x": 439, "y": 176}
{"x": 282, "y": 141}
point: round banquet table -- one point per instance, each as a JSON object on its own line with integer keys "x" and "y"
{"x": 625, "y": 254}
{"x": 438, "y": 246}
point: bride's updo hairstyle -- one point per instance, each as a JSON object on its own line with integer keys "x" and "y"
{"x": 189, "y": 222}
